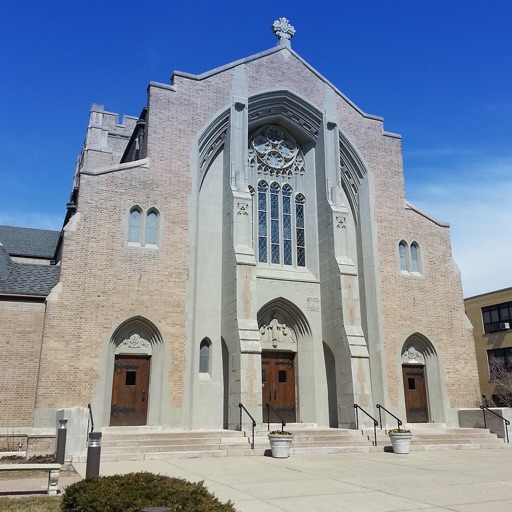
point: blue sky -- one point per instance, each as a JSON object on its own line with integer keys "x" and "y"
{"x": 439, "y": 72}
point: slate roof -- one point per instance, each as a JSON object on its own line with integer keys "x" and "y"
{"x": 37, "y": 243}
{"x": 24, "y": 278}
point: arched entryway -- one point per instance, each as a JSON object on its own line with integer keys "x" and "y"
{"x": 282, "y": 326}
{"x": 421, "y": 379}
{"x": 135, "y": 365}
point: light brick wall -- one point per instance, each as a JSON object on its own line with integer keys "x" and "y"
{"x": 21, "y": 328}
{"x": 104, "y": 282}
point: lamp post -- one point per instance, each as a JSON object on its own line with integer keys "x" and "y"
{"x": 61, "y": 441}
{"x": 93, "y": 455}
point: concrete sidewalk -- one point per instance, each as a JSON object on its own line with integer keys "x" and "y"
{"x": 462, "y": 481}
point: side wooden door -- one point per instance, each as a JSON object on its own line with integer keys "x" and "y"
{"x": 415, "y": 392}
{"x": 130, "y": 391}
{"x": 278, "y": 381}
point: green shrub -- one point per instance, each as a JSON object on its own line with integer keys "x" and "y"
{"x": 135, "y": 491}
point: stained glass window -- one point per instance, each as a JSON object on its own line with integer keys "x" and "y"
{"x": 274, "y": 223}
{"x": 300, "y": 229}
{"x": 204, "y": 356}
{"x": 262, "y": 221}
{"x": 287, "y": 225}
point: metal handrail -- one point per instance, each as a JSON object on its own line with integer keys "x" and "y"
{"x": 507, "y": 423}
{"x": 375, "y": 422}
{"x": 390, "y": 413}
{"x": 283, "y": 423}
{"x": 242, "y": 406}
{"x": 91, "y": 419}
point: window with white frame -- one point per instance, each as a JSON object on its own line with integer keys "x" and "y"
{"x": 277, "y": 162}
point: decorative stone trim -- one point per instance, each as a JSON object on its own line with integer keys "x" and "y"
{"x": 412, "y": 356}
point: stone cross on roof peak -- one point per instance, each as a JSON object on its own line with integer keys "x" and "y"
{"x": 283, "y": 31}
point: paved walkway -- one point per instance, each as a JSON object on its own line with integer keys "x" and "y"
{"x": 458, "y": 481}
{"x": 461, "y": 481}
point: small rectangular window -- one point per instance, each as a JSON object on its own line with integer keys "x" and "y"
{"x": 412, "y": 383}
{"x": 282, "y": 376}
{"x": 131, "y": 377}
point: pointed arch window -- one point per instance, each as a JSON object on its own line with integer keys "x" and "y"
{"x": 262, "y": 221}
{"x": 134, "y": 229}
{"x": 152, "y": 227}
{"x": 287, "y": 225}
{"x": 204, "y": 356}
{"x": 415, "y": 258}
{"x": 300, "y": 200}
{"x": 274, "y": 223}
{"x": 143, "y": 227}
{"x": 402, "y": 251}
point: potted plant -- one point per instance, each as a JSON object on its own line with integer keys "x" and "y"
{"x": 280, "y": 443}
{"x": 400, "y": 439}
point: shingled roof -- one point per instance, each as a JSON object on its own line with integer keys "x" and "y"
{"x": 35, "y": 243}
{"x": 26, "y": 279}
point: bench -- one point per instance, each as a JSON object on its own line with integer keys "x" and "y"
{"x": 53, "y": 473}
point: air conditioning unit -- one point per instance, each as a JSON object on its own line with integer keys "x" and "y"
{"x": 504, "y": 325}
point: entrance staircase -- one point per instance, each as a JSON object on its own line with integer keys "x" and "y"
{"x": 433, "y": 436}
{"x": 149, "y": 443}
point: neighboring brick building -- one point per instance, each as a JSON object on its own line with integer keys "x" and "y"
{"x": 246, "y": 239}
{"x": 491, "y": 316}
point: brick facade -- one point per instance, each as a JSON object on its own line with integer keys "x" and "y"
{"x": 203, "y": 280}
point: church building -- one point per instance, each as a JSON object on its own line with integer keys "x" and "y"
{"x": 245, "y": 240}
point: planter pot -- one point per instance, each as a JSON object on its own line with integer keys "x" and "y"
{"x": 401, "y": 442}
{"x": 280, "y": 445}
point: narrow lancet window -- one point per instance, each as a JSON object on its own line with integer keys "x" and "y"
{"x": 402, "y": 250}
{"x": 274, "y": 223}
{"x": 262, "y": 222}
{"x": 152, "y": 228}
{"x": 134, "y": 226}
{"x": 287, "y": 225}
{"x": 300, "y": 229}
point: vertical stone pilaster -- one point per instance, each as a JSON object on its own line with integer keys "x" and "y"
{"x": 239, "y": 318}
{"x": 339, "y": 276}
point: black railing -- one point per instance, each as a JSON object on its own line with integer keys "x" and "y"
{"x": 375, "y": 422}
{"x": 507, "y": 423}
{"x": 242, "y": 408}
{"x": 283, "y": 423}
{"x": 390, "y": 413}
{"x": 90, "y": 421}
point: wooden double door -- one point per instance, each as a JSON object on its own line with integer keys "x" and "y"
{"x": 415, "y": 392}
{"x": 130, "y": 391}
{"x": 278, "y": 386}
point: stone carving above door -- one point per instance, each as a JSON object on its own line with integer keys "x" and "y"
{"x": 134, "y": 345}
{"x": 276, "y": 334}
{"x": 412, "y": 356}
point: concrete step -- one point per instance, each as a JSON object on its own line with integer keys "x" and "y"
{"x": 151, "y": 443}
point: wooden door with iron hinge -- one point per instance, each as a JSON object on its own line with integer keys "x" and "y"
{"x": 415, "y": 392}
{"x": 130, "y": 391}
{"x": 278, "y": 385}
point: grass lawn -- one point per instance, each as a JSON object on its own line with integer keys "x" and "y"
{"x": 32, "y": 504}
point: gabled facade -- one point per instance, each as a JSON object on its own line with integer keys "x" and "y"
{"x": 247, "y": 240}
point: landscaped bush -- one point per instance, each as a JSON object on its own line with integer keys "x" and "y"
{"x": 135, "y": 491}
